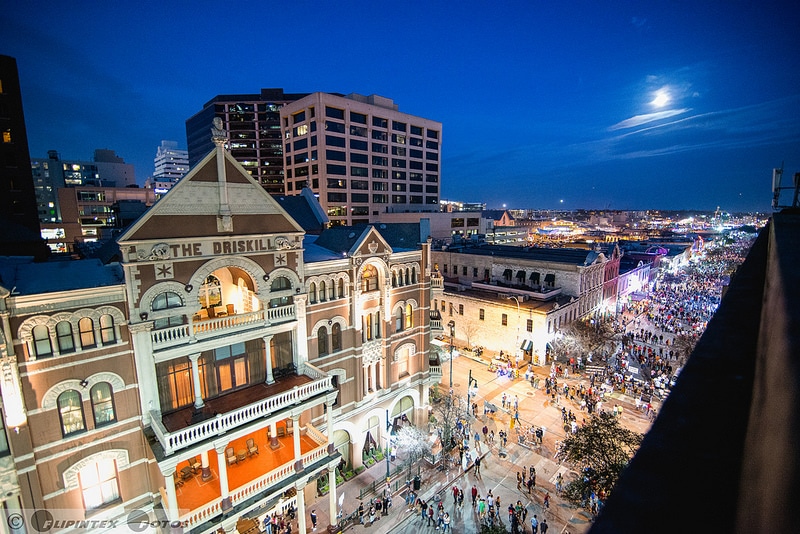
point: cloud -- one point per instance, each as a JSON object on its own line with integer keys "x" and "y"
{"x": 638, "y": 120}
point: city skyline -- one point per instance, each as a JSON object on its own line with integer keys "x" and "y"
{"x": 666, "y": 106}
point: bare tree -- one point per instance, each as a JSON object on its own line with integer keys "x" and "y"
{"x": 446, "y": 415}
{"x": 415, "y": 442}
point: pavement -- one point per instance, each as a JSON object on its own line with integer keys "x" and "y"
{"x": 498, "y": 473}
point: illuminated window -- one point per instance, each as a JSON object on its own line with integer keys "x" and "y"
{"x": 369, "y": 279}
{"x": 7, "y": 136}
{"x": 70, "y": 410}
{"x": 102, "y": 404}
{"x": 399, "y": 320}
{"x": 108, "y": 334}
{"x": 86, "y": 329}
{"x": 409, "y": 316}
{"x": 41, "y": 341}
{"x": 505, "y": 319}
{"x": 99, "y": 484}
{"x": 210, "y": 293}
{"x": 66, "y": 343}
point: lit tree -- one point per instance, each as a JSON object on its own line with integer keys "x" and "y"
{"x": 601, "y": 448}
{"x": 582, "y": 338}
{"x": 414, "y": 442}
{"x": 446, "y": 415}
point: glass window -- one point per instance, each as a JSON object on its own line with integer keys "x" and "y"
{"x": 335, "y": 140}
{"x": 322, "y": 340}
{"x": 334, "y": 113}
{"x": 369, "y": 279}
{"x": 432, "y": 145}
{"x": 66, "y": 343}
{"x": 481, "y": 314}
{"x": 336, "y": 337}
{"x": 358, "y": 130}
{"x": 167, "y": 300}
{"x": 336, "y": 155}
{"x": 379, "y": 135}
{"x": 379, "y": 122}
{"x": 398, "y": 322}
{"x": 399, "y": 139}
{"x": 359, "y": 184}
{"x": 336, "y": 127}
{"x": 312, "y": 293}
{"x": 433, "y": 134}
{"x": 382, "y": 161}
{"x": 359, "y": 197}
{"x": 70, "y": 410}
{"x": 102, "y": 404}
{"x": 299, "y": 117}
{"x": 99, "y": 484}
{"x": 359, "y": 158}
{"x": 358, "y": 117}
{"x": 504, "y": 319}
{"x": 280, "y": 284}
{"x": 529, "y": 325}
{"x": 398, "y": 126}
{"x": 41, "y": 341}
{"x": 409, "y": 316}
{"x": 339, "y": 170}
{"x": 358, "y": 144}
{"x": 210, "y": 293}
{"x": 416, "y": 130}
{"x": 86, "y": 329}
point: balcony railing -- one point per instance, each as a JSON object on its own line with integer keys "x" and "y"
{"x": 193, "y": 434}
{"x": 435, "y": 369}
{"x": 437, "y": 282}
{"x": 164, "y": 338}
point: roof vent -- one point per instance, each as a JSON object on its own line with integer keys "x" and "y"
{"x": 352, "y": 235}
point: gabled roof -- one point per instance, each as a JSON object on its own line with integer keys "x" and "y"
{"x": 496, "y": 215}
{"x": 343, "y": 239}
{"x": 194, "y": 205}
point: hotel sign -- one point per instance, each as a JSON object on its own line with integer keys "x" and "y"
{"x": 209, "y": 247}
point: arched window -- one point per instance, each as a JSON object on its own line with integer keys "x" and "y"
{"x": 86, "y": 329}
{"x": 414, "y": 275}
{"x": 108, "y": 334}
{"x": 312, "y": 293}
{"x": 41, "y": 341}
{"x": 66, "y": 343}
{"x": 409, "y": 316}
{"x": 167, "y": 301}
{"x": 210, "y": 293}
{"x": 336, "y": 337}
{"x": 323, "y": 293}
{"x": 99, "y": 484}
{"x": 281, "y": 283}
{"x": 408, "y": 277}
{"x": 70, "y": 410}
{"x": 394, "y": 279}
{"x": 331, "y": 291}
{"x": 102, "y": 404}
{"x": 341, "y": 288}
{"x": 369, "y": 279}
{"x": 398, "y": 323}
{"x": 322, "y": 340}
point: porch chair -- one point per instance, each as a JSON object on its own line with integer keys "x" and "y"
{"x": 252, "y": 448}
{"x": 230, "y": 456}
{"x": 195, "y": 464}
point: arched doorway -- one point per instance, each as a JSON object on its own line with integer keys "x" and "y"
{"x": 341, "y": 442}
{"x": 403, "y": 413}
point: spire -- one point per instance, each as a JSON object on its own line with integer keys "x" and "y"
{"x": 218, "y": 135}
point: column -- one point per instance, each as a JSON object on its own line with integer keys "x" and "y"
{"x": 329, "y": 424}
{"x": 268, "y": 357}
{"x": 198, "y": 392}
{"x": 298, "y": 462}
{"x": 301, "y": 505}
{"x": 204, "y": 466}
{"x": 172, "y": 497}
{"x": 273, "y": 436}
{"x": 332, "y": 494}
{"x": 222, "y": 465}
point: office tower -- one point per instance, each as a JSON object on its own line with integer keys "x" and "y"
{"x": 19, "y": 223}
{"x": 361, "y": 156}
{"x": 254, "y": 139}
{"x": 171, "y": 162}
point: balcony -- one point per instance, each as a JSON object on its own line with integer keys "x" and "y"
{"x": 436, "y": 321}
{"x": 199, "y": 498}
{"x": 437, "y": 282}
{"x": 200, "y": 329}
{"x": 189, "y": 427}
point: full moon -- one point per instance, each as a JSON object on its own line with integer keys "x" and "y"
{"x": 661, "y": 99}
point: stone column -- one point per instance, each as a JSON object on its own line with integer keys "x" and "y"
{"x": 329, "y": 424}
{"x": 223, "y": 477}
{"x": 198, "y": 392}
{"x": 204, "y": 465}
{"x": 301, "y": 505}
{"x": 298, "y": 462}
{"x": 268, "y": 357}
{"x": 273, "y": 436}
{"x": 172, "y": 497}
{"x": 332, "y": 494}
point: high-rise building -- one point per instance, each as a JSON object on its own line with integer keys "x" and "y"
{"x": 171, "y": 162}
{"x": 19, "y": 223}
{"x": 361, "y": 156}
{"x": 253, "y": 123}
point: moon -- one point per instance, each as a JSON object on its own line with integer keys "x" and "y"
{"x": 661, "y": 98}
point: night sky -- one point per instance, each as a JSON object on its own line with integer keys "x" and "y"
{"x": 544, "y": 104}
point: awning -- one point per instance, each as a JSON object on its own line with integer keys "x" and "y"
{"x": 439, "y": 342}
{"x": 527, "y": 345}
{"x": 534, "y": 278}
{"x": 520, "y": 275}
{"x": 507, "y": 273}
{"x": 550, "y": 277}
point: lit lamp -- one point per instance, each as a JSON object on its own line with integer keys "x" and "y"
{"x": 452, "y": 326}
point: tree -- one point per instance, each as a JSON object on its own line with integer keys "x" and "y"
{"x": 583, "y": 338}
{"x": 601, "y": 448}
{"x": 446, "y": 415}
{"x": 683, "y": 346}
{"x": 414, "y": 442}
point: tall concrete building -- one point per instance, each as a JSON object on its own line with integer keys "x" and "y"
{"x": 253, "y": 123}
{"x": 361, "y": 156}
{"x": 19, "y": 223}
{"x": 171, "y": 162}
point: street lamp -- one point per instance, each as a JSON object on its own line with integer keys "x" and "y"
{"x": 469, "y": 391}
{"x": 452, "y": 326}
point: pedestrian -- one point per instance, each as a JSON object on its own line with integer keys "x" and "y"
{"x": 547, "y": 501}
{"x": 430, "y": 515}
{"x": 543, "y": 526}
{"x": 474, "y": 494}
{"x": 361, "y": 513}
{"x": 371, "y": 514}
{"x": 446, "y": 523}
{"x": 313, "y": 520}
{"x": 534, "y": 524}
{"x": 559, "y": 484}
{"x": 477, "y": 465}
{"x": 504, "y": 400}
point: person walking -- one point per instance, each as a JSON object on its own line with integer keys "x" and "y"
{"x": 313, "y": 520}
{"x": 544, "y": 526}
{"x": 477, "y": 465}
{"x": 534, "y": 524}
{"x": 474, "y": 495}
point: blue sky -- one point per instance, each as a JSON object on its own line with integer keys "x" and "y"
{"x": 544, "y": 104}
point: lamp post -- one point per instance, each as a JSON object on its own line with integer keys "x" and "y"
{"x": 452, "y": 326}
{"x": 469, "y": 391}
